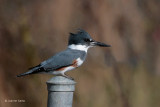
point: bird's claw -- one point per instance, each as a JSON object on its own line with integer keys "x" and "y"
{"x": 68, "y": 77}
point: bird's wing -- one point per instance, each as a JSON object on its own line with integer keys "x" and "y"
{"x": 60, "y": 60}
{"x": 57, "y": 62}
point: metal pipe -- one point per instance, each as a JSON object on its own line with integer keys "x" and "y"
{"x": 60, "y": 92}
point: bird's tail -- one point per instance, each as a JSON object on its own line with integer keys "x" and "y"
{"x": 31, "y": 71}
{"x": 26, "y": 73}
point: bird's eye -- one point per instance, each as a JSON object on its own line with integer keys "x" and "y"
{"x": 88, "y": 40}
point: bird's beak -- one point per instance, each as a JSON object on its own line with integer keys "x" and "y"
{"x": 95, "y": 43}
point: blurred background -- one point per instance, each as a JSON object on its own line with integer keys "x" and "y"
{"x": 125, "y": 75}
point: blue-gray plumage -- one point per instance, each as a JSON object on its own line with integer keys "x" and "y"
{"x": 68, "y": 59}
{"x": 63, "y": 59}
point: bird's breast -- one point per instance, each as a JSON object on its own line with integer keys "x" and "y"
{"x": 79, "y": 62}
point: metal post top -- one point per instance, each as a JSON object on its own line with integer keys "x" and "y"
{"x": 60, "y": 84}
{"x": 60, "y": 91}
{"x": 58, "y": 80}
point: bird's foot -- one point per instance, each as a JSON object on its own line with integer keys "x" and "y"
{"x": 64, "y": 75}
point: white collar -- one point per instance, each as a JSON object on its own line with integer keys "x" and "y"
{"x": 79, "y": 47}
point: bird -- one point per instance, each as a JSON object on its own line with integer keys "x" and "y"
{"x": 69, "y": 59}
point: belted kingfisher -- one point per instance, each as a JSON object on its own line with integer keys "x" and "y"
{"x": 68, "y": 59}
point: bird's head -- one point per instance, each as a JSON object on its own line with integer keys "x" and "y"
{"x": 82, "y": 41}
